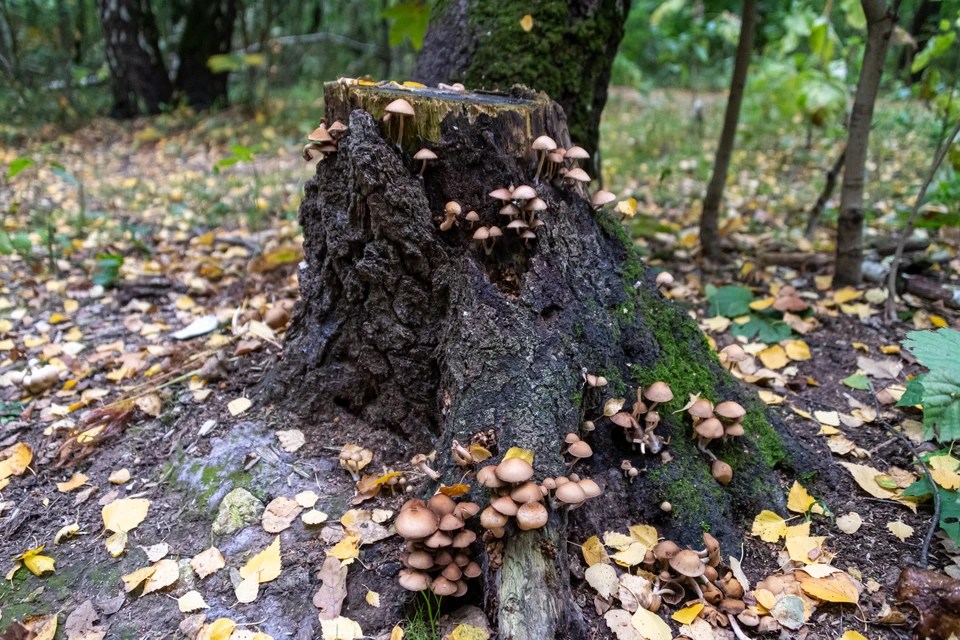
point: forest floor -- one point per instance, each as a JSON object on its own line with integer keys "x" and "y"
{"x": 122, "y": 235}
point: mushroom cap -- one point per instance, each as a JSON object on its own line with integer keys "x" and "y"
{"x": 710, "y": 428}
{"x": 472, "y": 570}
{"x": 461, "y": 589}
{"x": 591, "y": 488}
{"x": 702, "y": 408}
{"x": 443, "y": 587}
{"x": 734, "y": 352}
{"x": 464, "y": 539}
{"x": 514, "y": 470}
{"x": 580, "y": 449}
{"x": 452, "y": 208}
{"x": 529, "y": 235}
{"x": 414, "y": 580}
{"x": 450, "y": 522}
{"x": 490, "y": 518}
{"x": 577, "y": 174}
{"x": 626, "y": 464}
{"x": 481, "y": 234}
{"x": 576, "y": 153}
{"x": 501, "y": 194}
{"x": 452, "y": 572}
{"x": 411, "y": 502}
{"x": 722, "y": 472}
{"x": 687, "y": 563}
{"x": 658, "y": 392}
{"x": 495, "y": 232}
{"x": 561, "y": 480}
{"x": 400, "y": 107}
{"x": 441, "y": 504}
{"x": 666, "y": 549}
{"x": 443, "y": 557}
{"x": 517, "y": 224}
{"x": 535, "y": 204}
{"x": 664, "y": 277}
{"x": 555, "y": 156}
{"x": 544, "y": 143}
{"x": 730, "y": 410}
{"x": 338, "y": 126}
{"x": 509, "y": 209}
{"x": 734, "y": 430}
{"x": 320, "y": 134}
{"x": 424, "y": 154}
{"x": 732, "y": 606}
{"x": 652, "y": 417}
{"x": 462, "y": 559}
{"x": 549, "y": 484}
{"x": 531, "y": 515}
{"x": 526, "y": 492}
{"x": 624, "y": 419}
{"x": 505, "y": 505}
{"x": 437, "y": 540}
{"x": 523, "y": 192}
{"x": 472, "y": 216}
{"x": 571, "y": 438}
{"x": 488, "y": 477}
{"x": 466, "y": 510}
{"x": 710, "y": 543}
{"x": 749, "y": 617}
{"x": 571, "y": 493}
{"x": 416, "y": 522}
{"x": 420, "y": 560}
{"x": 601, "y": 198}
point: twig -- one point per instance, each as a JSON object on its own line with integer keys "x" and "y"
{"x": 891, "y": 307}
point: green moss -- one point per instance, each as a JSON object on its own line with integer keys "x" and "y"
{"x": 615, "y": 382}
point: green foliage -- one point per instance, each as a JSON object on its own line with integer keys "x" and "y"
{"x": 858, "y": 381}
{"x": 17, "y": 166}
{"x": 422, "y": 620}
{"x": 730, "y": 301}
{"x": 765, "y": 325}
{"x": 949, "y": 502}
{"x": 107, "y": 269}
{"x": 231, "y": 62}
{"x": 935, "y": 48}
{"x": 939, "y": 390}
{"x": 408, "y": 20}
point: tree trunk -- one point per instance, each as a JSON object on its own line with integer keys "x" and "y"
{"x": 710, "y": 218}
{"x": 881, "y": 19}
{"x": 138, "y": 77}
{"x": 413, "y": 337}
{"x": 831, "y": 183}
{"x": 568, "y": 53}
{"x": 208, "y": 32}
{"x": 65, "y": 33}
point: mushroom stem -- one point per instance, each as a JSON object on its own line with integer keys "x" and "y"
{"x": 736, "y": 628}
{"x": 696, "y": 588}
{"x": 423, "y": 167}
{"x": 425, "y": 468}
{"x": 400, "y": 135}
{"x": 706, "y": 451}
{"x": 543, "y": 156}
{"x": 489, "y": 249}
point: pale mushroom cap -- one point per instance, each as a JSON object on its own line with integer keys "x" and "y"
{"x": 664, "y": 277}
{"x": 320, "y": 134}
{"x": 472, "y": 216}
{"x": 623, "y": 419}
{"x": 514, "y": 470}
{"x": 481, "y": 234}
{"x": 453, "y": 208}
{"x": 571, "y": 438}
{"x": 735, "y": 352}
{"x": 555, "y": 156}
{"x": 734, "y": 430}
{"x": 441, "y": 504}
{"x": 560, "y": 480}
{"x": 710, "y": 428}
{"x": 526, "y": 492}
{"x": 420, "y": 560}
{"x": 472, "y": 570}
{"x": 687, "y": 563}
{"x": 523, "y": 192}
{"x": 531, "y": 515}
{"x": 464, "y": 539}
{"x": 452, "y": 572}
{"x": 450, "y": 522}
{"x": 730, "y": 410}
{"x": 544, "y": 143}
{"x": 571, "y": 493}
{"x": 505, "y": 505}
{"x": 510, "y": 209}
{"x": 466, "y": 510}
{"x": 414, "y": 580}
{"x": 501, "y": 194}
{"x": 702, "y": 408}
{"x": 722, "y": 472}
{"x": 577, "y": 174}
{"x": 461, "y": 589}
{"x": 495, "y": 232}
{"x": 535, "y": 204}
{"x": 412, "y": 502}
{"x": 529, "y": 235}
{"x": 658, "y": 392}
{"x": 488, "y": 477}
{"x": 602, "y": 197}
{"x": 710, "y": 543}
{"x": 443, "y": 558}
{"x": 490, "y": 518}
{"x": 400, "y": 106}
{"x": 338, "y": 126}
{"x": 666, "y": 549}
{"x": 443, "y": 587}
{"x": 591, "y": 488}
{"x": 416, "y": 522}
{"x": 437, "y": 540}
{"x": 576, "y": 153}
{"x": 580, "y": 450}
{"x": 517, "y": 224}
{"x": 424, "y": 154}
{"x": 549, "y": 483}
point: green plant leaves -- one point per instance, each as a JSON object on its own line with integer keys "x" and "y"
{"x": 729, "y": 301}
{"x": 939, "y": 390}
{"x": 107, "y": 269}
{"x": 934, "y": 48}
{"x": 858, "y": 381}
{"x": 767, "y": 328}
{"x": 409, "y": 19}
{"x": 18, "y": 165}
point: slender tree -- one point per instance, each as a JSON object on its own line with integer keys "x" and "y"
{"x": 138, "y": 76}
{"x": 208, "y": 32}
{"x": 881, "y": 20}
{"x": 710, "y": 219}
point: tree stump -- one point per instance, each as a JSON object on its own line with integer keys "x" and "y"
{"x": 415, "y": 337}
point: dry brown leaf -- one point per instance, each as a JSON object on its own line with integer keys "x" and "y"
{"x": 208, "y": 562}
{"x": 280, "y": 514}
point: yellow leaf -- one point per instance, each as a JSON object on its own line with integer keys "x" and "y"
{"x": 773, "y": 357}
{"x": 805, "y": 549}
{"x": 396, "y": 634}
{"x": 650, "y": 625}
{"x": 594, "y": 551}
{"x": 117, "y": 543}
{"x": 266, "y": 564}
{"x": 890, "y": 349}
{"x": 765, "y": 599}
{"x": 15, "y": 460}
{"x": 219, "y": 629}
{"x": 946, "y": 462}
{"x": 644, "y": 533}
{"x": 517, "y": 452}
{"x": 819, "y": 570}
{"x": 847, "y": 294}
{"x": 688, "y": 614}
{"x": 526, "y": 23}
{"x": 347, "y": 548}
{"x": 769, "y": 527}
{"x": 799, "y": 500}
{"x": 373, "y": 599}
{"x": 120, "y": 476}
{"x": 899, "y": 529}
{"x": 947, "y": 479}
{"x": 938, "y": 321}
{"x": 616, "y": 540}
{"x": 66, "y": 532}
{"x": 852, "y": 635}
{"x": 478, "y": 453}
{"x": 759, "y": 305}
{"x": 627, "y": 207}
{"x": 865, "y": 476}
{"x": 133, "y": 580}
{"x": 798, "y": 530}
{"x": 191, "y": 601}
{"x": 631, "y": 556}
{"x": 837, "y": 587}
{"x": 469, "y": 632}
{"x": 150, "y": 404}
{"x": 823, "y": 282}
{"x": 125, "y": 514}
{"x": 769, "y": 397}
{"x": 70, "y": 305}
{"x": 208, "y": 562}
{"x": 860, "y": 346}
{"x": 313, "y": 517}
{"x": 36, "y": 563}
{"x": 165, "y": 573}
{"x": 797, "y": 350}
{"x": 850, "y": 523}
{"x": 76, "y": 480}
{"x": 829, "y": 418}
{"x": 340, "y": 628}
{"x": 45, "y": 627}
{"x": 238, "y": 406}
{"x": 247, "y": 590}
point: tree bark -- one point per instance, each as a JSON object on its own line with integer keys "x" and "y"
{"x": 710, "y": 218}
{"x": 138, "y": 76}
{"x": 831, "y": 183}
{"x": 568, "y": 53}
{"x": 208, "y": 32}
{"x": 413, "y": 337}
{"x": 881, "y": 19}
{"x": 66, "y": 46}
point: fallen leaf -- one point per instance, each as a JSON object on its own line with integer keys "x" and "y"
{"x": 603, "y": 579}
{"x": 65, "y": 532}
{"x": 837, "y": 587}
{"x": 769, "y": 527}
{"x": 788, "y": 611}
{"x": 238, "y": 406}
{"x": 313, "y": 517}
{"x": 291, "y": 439}
{"x": 526, "y": 23}
{"x": 165, "y": 573}
{"x": 650, "y": 625}
{"x": 120, "y": 476}
{"x": 594, "y": 552}
{"x": 333, "y": 589}
{"x": 156, "y": 552}
{"x": 340, "y": 628}
{"x": 373, "y": 599}
{"x": 829, "y": 418}
{"x": 773, "y": 357}
{"x": 306, "y": 499}
{"x": 150, "y": 404}
{"x": 248, "y": 589}
{"x": 797, "y": 350}
{"x": 619, "y": 622}
{"x": 688, "y": 614}
{"x": 76, "y": 480}
{"x": 849, "y": 523}
{"x": 805, "y": 549}
{"x": 266, "y": 564}
{"x": 191, "y": 601}
{"x": 645, "y": 534}
{"x": 280, "y": 514}
{"x": 865, "y": 476}
{"x": 37, "y": 564}
{"x": 44, "y": 626}
{"x": 799, "y": 500}
{"x": 900, "y": 529}
{"x": 208, "y": 562}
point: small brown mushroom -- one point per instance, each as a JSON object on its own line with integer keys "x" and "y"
{"x": 514, "y": 470}
{"x": 732, "y": 354}
{"x": 730, "y": 411}
{"x": 451, "y": 211}
{"x": 658, "y": 392}
{"x": 503, "y": 195}
{"x": 488, "y": 477}
{"x": 664, "y": 279}
{"x": 531, "y": 515}
{"x": 414, "y": 580}
{"x": 721, "y": 472}
{"x": 416, "y": 522}
{"x": 472, "y": 217}
{"x": 602, "y": 198}
{"x": 424, "y": 154}
{"x": 402, "y": 109}
{"x": 574, "y": 154}
{"x": 542, "y": 145}
{"x": 420, "y": 461}
{"x": 666, "y": 507}
{"x": 443, "y": 587}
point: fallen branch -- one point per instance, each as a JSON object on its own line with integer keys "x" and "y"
{"x": 817, "y": 211}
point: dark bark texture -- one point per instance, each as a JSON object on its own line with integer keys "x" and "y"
{"x": 415, "y": 337}
{"x": 138, "y": 77}
{"x": 208, "y": 32}
{"x": 568, "y": 53}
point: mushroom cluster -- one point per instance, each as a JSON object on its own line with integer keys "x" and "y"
{"x": 520, "y": 206}
{"x": 437, "y": 554}
{"x": 561, "y": 163}
{"x": 324, "y": 140}
{"x": 644, "y": 409}
{"x": 716, "y": 423}
{"x": 38, "y": 379}
{"x": 516, "y": 496}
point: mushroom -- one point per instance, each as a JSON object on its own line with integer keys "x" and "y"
{"x": 311, "y": 146}
{"x": 423, "y": 154}
{"x": 450, "y": 522}
{"x": 626, "y": 465}
{"x": 503, "y": 195}
{"x": 526, "y": 492}
{"x": 523, "y": 193}
{"x": 531, "y": 515}
{"x": 570, "y": 494}
{"x": 443, "y": 587}
{"x": 602, "y": 198}
{"x": 518, "y": 225}
{"x": 732, "y": 354}
{"x": 707, "y": 431}
{"x": 591, "y": 488}
{"x": 416, "y": 522}
{"x": 533, "y": 205}
{"x": 466, "y": 509}
{"x": 419, "y": 560}
{"x": 321, "y": 135}
{"x": 463, "y": 539}
{"x": 438, "y": 539}
{"x": 441, "y": 504}
{"x": 338, "y": 129}
{"x": 734, "y": 430}
{"x": 595, "y": 381}
{"x": 578, "y": 450}
{"x": 555, "y": 159}
{"x": 488, "y": 477}
{"x": 577, "y": 176}
{"x": 472, "y": 570}
{"x": 658, "y": 392}
{"x": 701, "y": 410}
{"x": 510, "y": 210}
{"x": 688, "y": 564}
{"x": 420, "y": 461}
{"x": 666, "y": 507}
{"x": 574, "y": 154}
{"x": 730, "y": 411}
{"x": 451, "y": 210}
{"x": 452, "y": 572}
{"x": 401, "y": 108}
{"x": 664, "y": 279}
{"x": 505, "y": 505}
{"x": 722, "y": 472}
{"x": 414, "y": 580}
{"x": 514, "y": 470}
{"x": 543, "y": 145}
{"x": 472, "y": 217}
{"x": 494, "y": 233}
{"x": 652, "y": 419}
{"x": 490, "y": 518}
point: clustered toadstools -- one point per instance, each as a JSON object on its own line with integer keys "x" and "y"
{"x": 644, "y": 435}
{"x": 716, "y": 423}
{"x": 437, "y": 553}
{"x": 324, "y": 140}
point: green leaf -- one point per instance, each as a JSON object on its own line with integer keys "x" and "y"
{"x": 934, "y": 48}
{"x": 67, "y": 176}
{"x": 21, "y": 242}
{"x": 853, "y": 11}
{"x": 18, "y": 165}
{"x": 935, "y": 349}
{"x": 107, "y": 269}
{"x": 410, "y": 19}
{"x": 730, "y": 301}
{"x": 858, "y": 381}
{"x": 6, "y": 246}
{"x": 668, "y": 8}
{"x": 226, "y": 162}
{"x": 243, "y": 153}
{"x": 224, "y": 63}
{"x": 941, "y": 404}
{"x": 914, "y": 393}
{"x": 822, "y": 39}
{"x": 767, "y": 328}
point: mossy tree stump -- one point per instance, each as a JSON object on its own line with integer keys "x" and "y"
{"x": 417, "y": 336}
